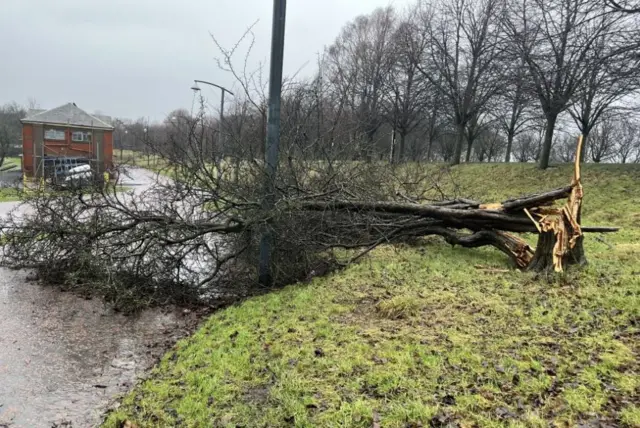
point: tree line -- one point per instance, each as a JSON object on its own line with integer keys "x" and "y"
{"x": 454, "y": 81}
{"x": 447, "y": 81}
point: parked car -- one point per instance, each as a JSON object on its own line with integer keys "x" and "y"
{"x": 78, "y": 176}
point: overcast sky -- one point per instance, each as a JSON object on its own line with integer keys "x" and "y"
{"x": 138, "y": 58}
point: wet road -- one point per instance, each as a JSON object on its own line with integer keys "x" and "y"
{"x": 136, "y": 179}
{"x": 64, "y": 358}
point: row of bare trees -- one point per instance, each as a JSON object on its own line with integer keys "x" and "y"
{"x": 454, "y": 81}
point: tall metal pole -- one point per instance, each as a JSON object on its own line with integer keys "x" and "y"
{"x": 220, "y": 127}
{"x": 265, "y": 276}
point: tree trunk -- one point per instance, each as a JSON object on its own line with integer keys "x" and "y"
{"x": 393, "y": 153}
{"x": 429, "y": 148}
{"x": 368, "y": 147}
{"x": 543, "y": 257}
{"x": 467, "y": 158}
{"x": 401, "y": 147}
{"x": 576, "y": 255}
{"x": 585, "y": 139}
{"x": 548, "y": 140}
{"x": 457, "y": 155}
{"x": 507, "y": 157}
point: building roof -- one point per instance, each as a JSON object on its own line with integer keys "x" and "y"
{"x": 66, "y": 115}
{"x": 106, "y": 119}
{"x": 33, "y": 111}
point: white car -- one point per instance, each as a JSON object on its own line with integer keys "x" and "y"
{"x": 79, "y": 174}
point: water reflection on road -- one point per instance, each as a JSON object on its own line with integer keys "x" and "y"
{"x": 62, "y": 358}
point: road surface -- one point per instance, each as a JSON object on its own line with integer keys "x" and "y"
{"x": 62, "y": 357}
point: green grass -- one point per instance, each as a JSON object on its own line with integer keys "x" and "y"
{"x": 413, "y": 336}
{"x": 11, "y": 161}
{"x": 9, "y": 194}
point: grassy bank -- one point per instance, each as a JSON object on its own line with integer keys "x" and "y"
{"x": 427, "y": 335}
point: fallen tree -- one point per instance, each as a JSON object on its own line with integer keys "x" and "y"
{"x": 196, "y": 232}
{"x": 560, "y": 235}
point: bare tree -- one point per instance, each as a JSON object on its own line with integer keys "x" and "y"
{"x": 608, "y": 79}
{"x": 513, "y": 109}
{"x": 462, "y": 62}
{"x": 528, "y": 145}
{"x": 361, "y": 60}
{"x": 490, "y": 144}
{"x": 555, "y": 38}
{"x": 602, "y": 144}
{"x": 252, "y": 82}
{"x": 623, "y": 6}
{"x": 476, "y": 127}
{"x": 565, "y": 148}
{"x": 5, "y": 142}
{"x": 195, "y": 233}
{"x": 628, "y": 139}
{"x": 407, "y": 98}
{"x": 32, "y": 103}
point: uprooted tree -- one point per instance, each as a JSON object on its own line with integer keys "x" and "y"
{"x": 194, "y": 232}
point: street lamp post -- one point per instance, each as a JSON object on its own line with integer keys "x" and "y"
{"x": 272, "y": 149}
{"x": 145, "y": 141}
{"x": 122, "y": 145}
{"x": 196, "y": 88}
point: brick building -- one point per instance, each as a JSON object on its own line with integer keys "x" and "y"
{"x": 62, "y": 136}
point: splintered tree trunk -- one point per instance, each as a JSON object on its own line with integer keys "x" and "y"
{"x": 576, "y": 255}
{"x": 543, "y": 257}
{"x": 560, "y": 242}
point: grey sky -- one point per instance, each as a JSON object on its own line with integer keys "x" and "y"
{"x": 135, "y": 58}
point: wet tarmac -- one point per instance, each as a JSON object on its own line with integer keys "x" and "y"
{"x": 63, "y": 358}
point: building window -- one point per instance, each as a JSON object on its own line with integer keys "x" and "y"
{"x": 81, "y": 137}
{"x": 54, "y": 134}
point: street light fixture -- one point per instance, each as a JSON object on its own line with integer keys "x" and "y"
{"x": 196, "y": 88}
{"x": 126, "y": 132}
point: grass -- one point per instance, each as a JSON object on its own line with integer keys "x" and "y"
{"x": 9, "y": 161}
{"x": 426, "y": 335}
{"x": 10, "y": 194}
